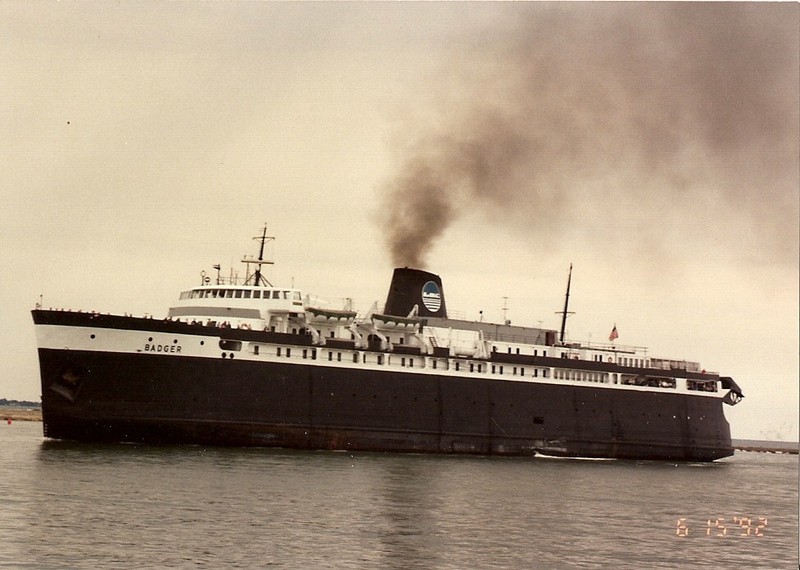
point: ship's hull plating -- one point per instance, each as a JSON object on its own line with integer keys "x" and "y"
{"x": 107, "y": 396}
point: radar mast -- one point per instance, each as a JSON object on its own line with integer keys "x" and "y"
{"x": 257, "y": 278}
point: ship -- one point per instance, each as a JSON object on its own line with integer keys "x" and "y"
{"x": 240, "y": 362}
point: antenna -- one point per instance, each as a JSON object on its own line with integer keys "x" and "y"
{"x": 505, "y": 310}
{"x": 565, "y": 312}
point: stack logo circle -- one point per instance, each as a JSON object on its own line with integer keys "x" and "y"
{"x": 431, "y": 296}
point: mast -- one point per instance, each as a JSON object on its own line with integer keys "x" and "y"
{"x": 565, "y": 312}
{"x": 259, "y": 279}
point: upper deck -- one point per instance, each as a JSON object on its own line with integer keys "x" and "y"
{"x": 236, "y": 304}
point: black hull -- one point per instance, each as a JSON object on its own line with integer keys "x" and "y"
{"x": 168, "y": 399}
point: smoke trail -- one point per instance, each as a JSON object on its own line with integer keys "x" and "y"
{"x": 651, "y": 116}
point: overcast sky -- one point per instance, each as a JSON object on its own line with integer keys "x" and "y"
{"x": 655, "y": 146}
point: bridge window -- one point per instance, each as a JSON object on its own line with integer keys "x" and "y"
{"x": 256, "y": 294}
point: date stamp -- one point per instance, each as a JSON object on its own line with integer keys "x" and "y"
{"x": 737, "y": 526}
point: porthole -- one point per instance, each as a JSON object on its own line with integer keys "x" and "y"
{"x": 91, "y": 336}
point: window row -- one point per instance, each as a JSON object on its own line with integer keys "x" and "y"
{"x": 479, "y": 367}
{"x": 580, "y": 375}
{"x": 517, "y": 351}
{"x": 403, "y": 361}
{"x": 240, "y": 294}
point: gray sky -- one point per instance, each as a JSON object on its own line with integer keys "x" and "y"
{"x": 653, "y": 146}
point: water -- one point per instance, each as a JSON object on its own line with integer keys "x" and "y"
{"x": 126, "y": 506}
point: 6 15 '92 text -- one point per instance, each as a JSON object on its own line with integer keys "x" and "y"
{"x": 720, "y": 526}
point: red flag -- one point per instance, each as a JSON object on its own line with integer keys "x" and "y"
{"x": 613, "y": 334}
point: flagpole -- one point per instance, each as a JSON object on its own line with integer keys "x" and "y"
{"x": 566, "y": 305}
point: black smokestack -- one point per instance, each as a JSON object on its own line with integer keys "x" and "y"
{"x": 413, "y": 287}
{"x": 675, "y": 121}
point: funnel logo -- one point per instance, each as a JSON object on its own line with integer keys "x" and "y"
{"x": 431, "y": 296}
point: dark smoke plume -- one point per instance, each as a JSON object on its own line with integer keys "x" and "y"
{"x": 661, "y": 118}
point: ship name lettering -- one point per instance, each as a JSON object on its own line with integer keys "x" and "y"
{"x": 162, "y": 348}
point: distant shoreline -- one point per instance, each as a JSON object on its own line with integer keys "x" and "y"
{"x": 766, "y": 446}
{"x": 20, "y": 414}
{"x": 30, "y": 414}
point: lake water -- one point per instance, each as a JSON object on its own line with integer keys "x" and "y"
{"x": 66, "y": 505}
